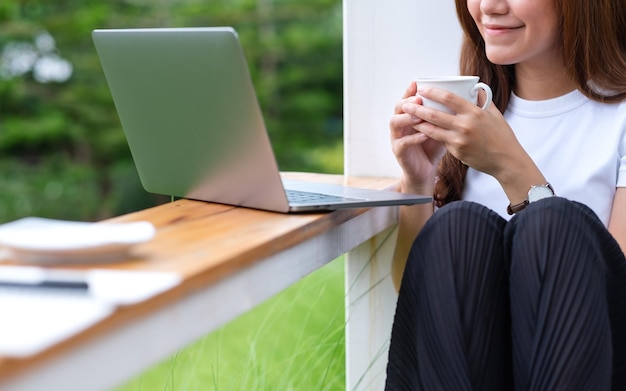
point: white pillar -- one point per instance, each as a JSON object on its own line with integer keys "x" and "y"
{"x": 387, "y": 43}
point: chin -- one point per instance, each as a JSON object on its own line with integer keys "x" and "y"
{"x": 500, "y": 60}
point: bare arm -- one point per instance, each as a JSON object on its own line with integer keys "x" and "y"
{"x": 617, "y": 223}
{"x": 412, "y": 219}
{"x": 419, "y": 157}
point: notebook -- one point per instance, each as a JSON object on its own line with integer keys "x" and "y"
{"x": 194, "y": 126}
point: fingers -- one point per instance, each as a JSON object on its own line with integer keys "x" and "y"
{"x": 403, "y": 125}
{"x": 419, "y": 113}
{"x": 404, "y": 148}
{"x": 409, "y": 141}
{"x": 430, "y": 122}
{"x": 411, "y": 90}
{"x": 439, "y": 118}
{"x": 409, "y": 96}
{"x": 434, "y": 132}
{"x": 411, "y": 100}
{"x": 452, "y": 101}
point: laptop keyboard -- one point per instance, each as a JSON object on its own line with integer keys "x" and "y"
{"x": 305, "y": 197}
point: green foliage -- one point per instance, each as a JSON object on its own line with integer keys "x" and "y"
{"x": 294, "y": 51}
{"x": 52, "y": 189}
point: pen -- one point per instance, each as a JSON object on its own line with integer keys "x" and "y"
{"x": 27, "y": 277}
{"x": 79, "y": 285}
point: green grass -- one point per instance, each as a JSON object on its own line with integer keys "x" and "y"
{"x": 293, "y": 341}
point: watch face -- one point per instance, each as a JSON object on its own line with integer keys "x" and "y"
{"x": 537, "y": 193}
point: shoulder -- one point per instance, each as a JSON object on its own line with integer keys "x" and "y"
{"x": 607, "y": 113}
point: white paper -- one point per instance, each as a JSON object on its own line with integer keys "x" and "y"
{"x": 128, "y": 287}
{"x": 34, "y": 318}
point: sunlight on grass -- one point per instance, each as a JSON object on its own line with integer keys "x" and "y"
{"x": 294, "y": 341}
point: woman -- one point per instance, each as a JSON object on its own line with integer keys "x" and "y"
{"x": 536, "y": 300}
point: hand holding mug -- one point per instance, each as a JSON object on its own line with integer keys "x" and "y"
{"x": 466, "y": 87}
{"x": 480, "y": 138}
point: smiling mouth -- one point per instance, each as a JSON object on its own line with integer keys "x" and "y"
{"x": 497, "y": 29}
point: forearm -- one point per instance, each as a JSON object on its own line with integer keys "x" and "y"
{"x": 617, "y": 224}
{"x": 516, "y": 183}
{"x": 411, "y": 221}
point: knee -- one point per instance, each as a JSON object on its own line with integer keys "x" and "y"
{"x": 555, "y": 213}
{"x": 454, "y": 224}
{"x": 456, "y": 233}
{"x": 553, "y": 231}
{"x": 464, "y": 216}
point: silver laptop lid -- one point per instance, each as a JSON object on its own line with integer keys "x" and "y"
{"x": 174, "y": 91}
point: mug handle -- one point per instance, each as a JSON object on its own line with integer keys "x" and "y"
{"x": 487, "y": 89}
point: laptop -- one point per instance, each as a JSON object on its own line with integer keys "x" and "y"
{"x": 194, "y": 126}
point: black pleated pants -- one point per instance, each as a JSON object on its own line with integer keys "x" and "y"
{"x": 536, "y": 303}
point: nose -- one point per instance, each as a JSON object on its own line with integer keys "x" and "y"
{"x": 491, "y": 7}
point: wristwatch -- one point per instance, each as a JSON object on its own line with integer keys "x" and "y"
{"x": 536, "y": 193}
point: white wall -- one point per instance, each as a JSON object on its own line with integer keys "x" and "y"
{"x": 387, "y": 43}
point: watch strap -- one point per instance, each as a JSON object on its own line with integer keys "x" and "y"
{"x": 512, "y": 209}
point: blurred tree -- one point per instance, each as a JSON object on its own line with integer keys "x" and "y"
{"x": 62, "y": 151}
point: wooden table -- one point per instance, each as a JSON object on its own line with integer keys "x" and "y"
{"x": 230, "y": 259}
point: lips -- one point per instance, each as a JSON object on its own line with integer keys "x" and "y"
{"x": 500, "y": 28}
{"x": 497, "y": 29}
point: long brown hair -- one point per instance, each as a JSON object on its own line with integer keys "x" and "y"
{"x": 594, "y": 53}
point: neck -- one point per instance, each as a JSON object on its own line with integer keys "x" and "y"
{"x": 542, "y": 82}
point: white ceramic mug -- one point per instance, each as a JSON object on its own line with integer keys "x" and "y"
{"x": 466, "y": 87}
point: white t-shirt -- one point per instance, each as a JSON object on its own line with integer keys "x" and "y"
{"x": 578, "y": 144}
